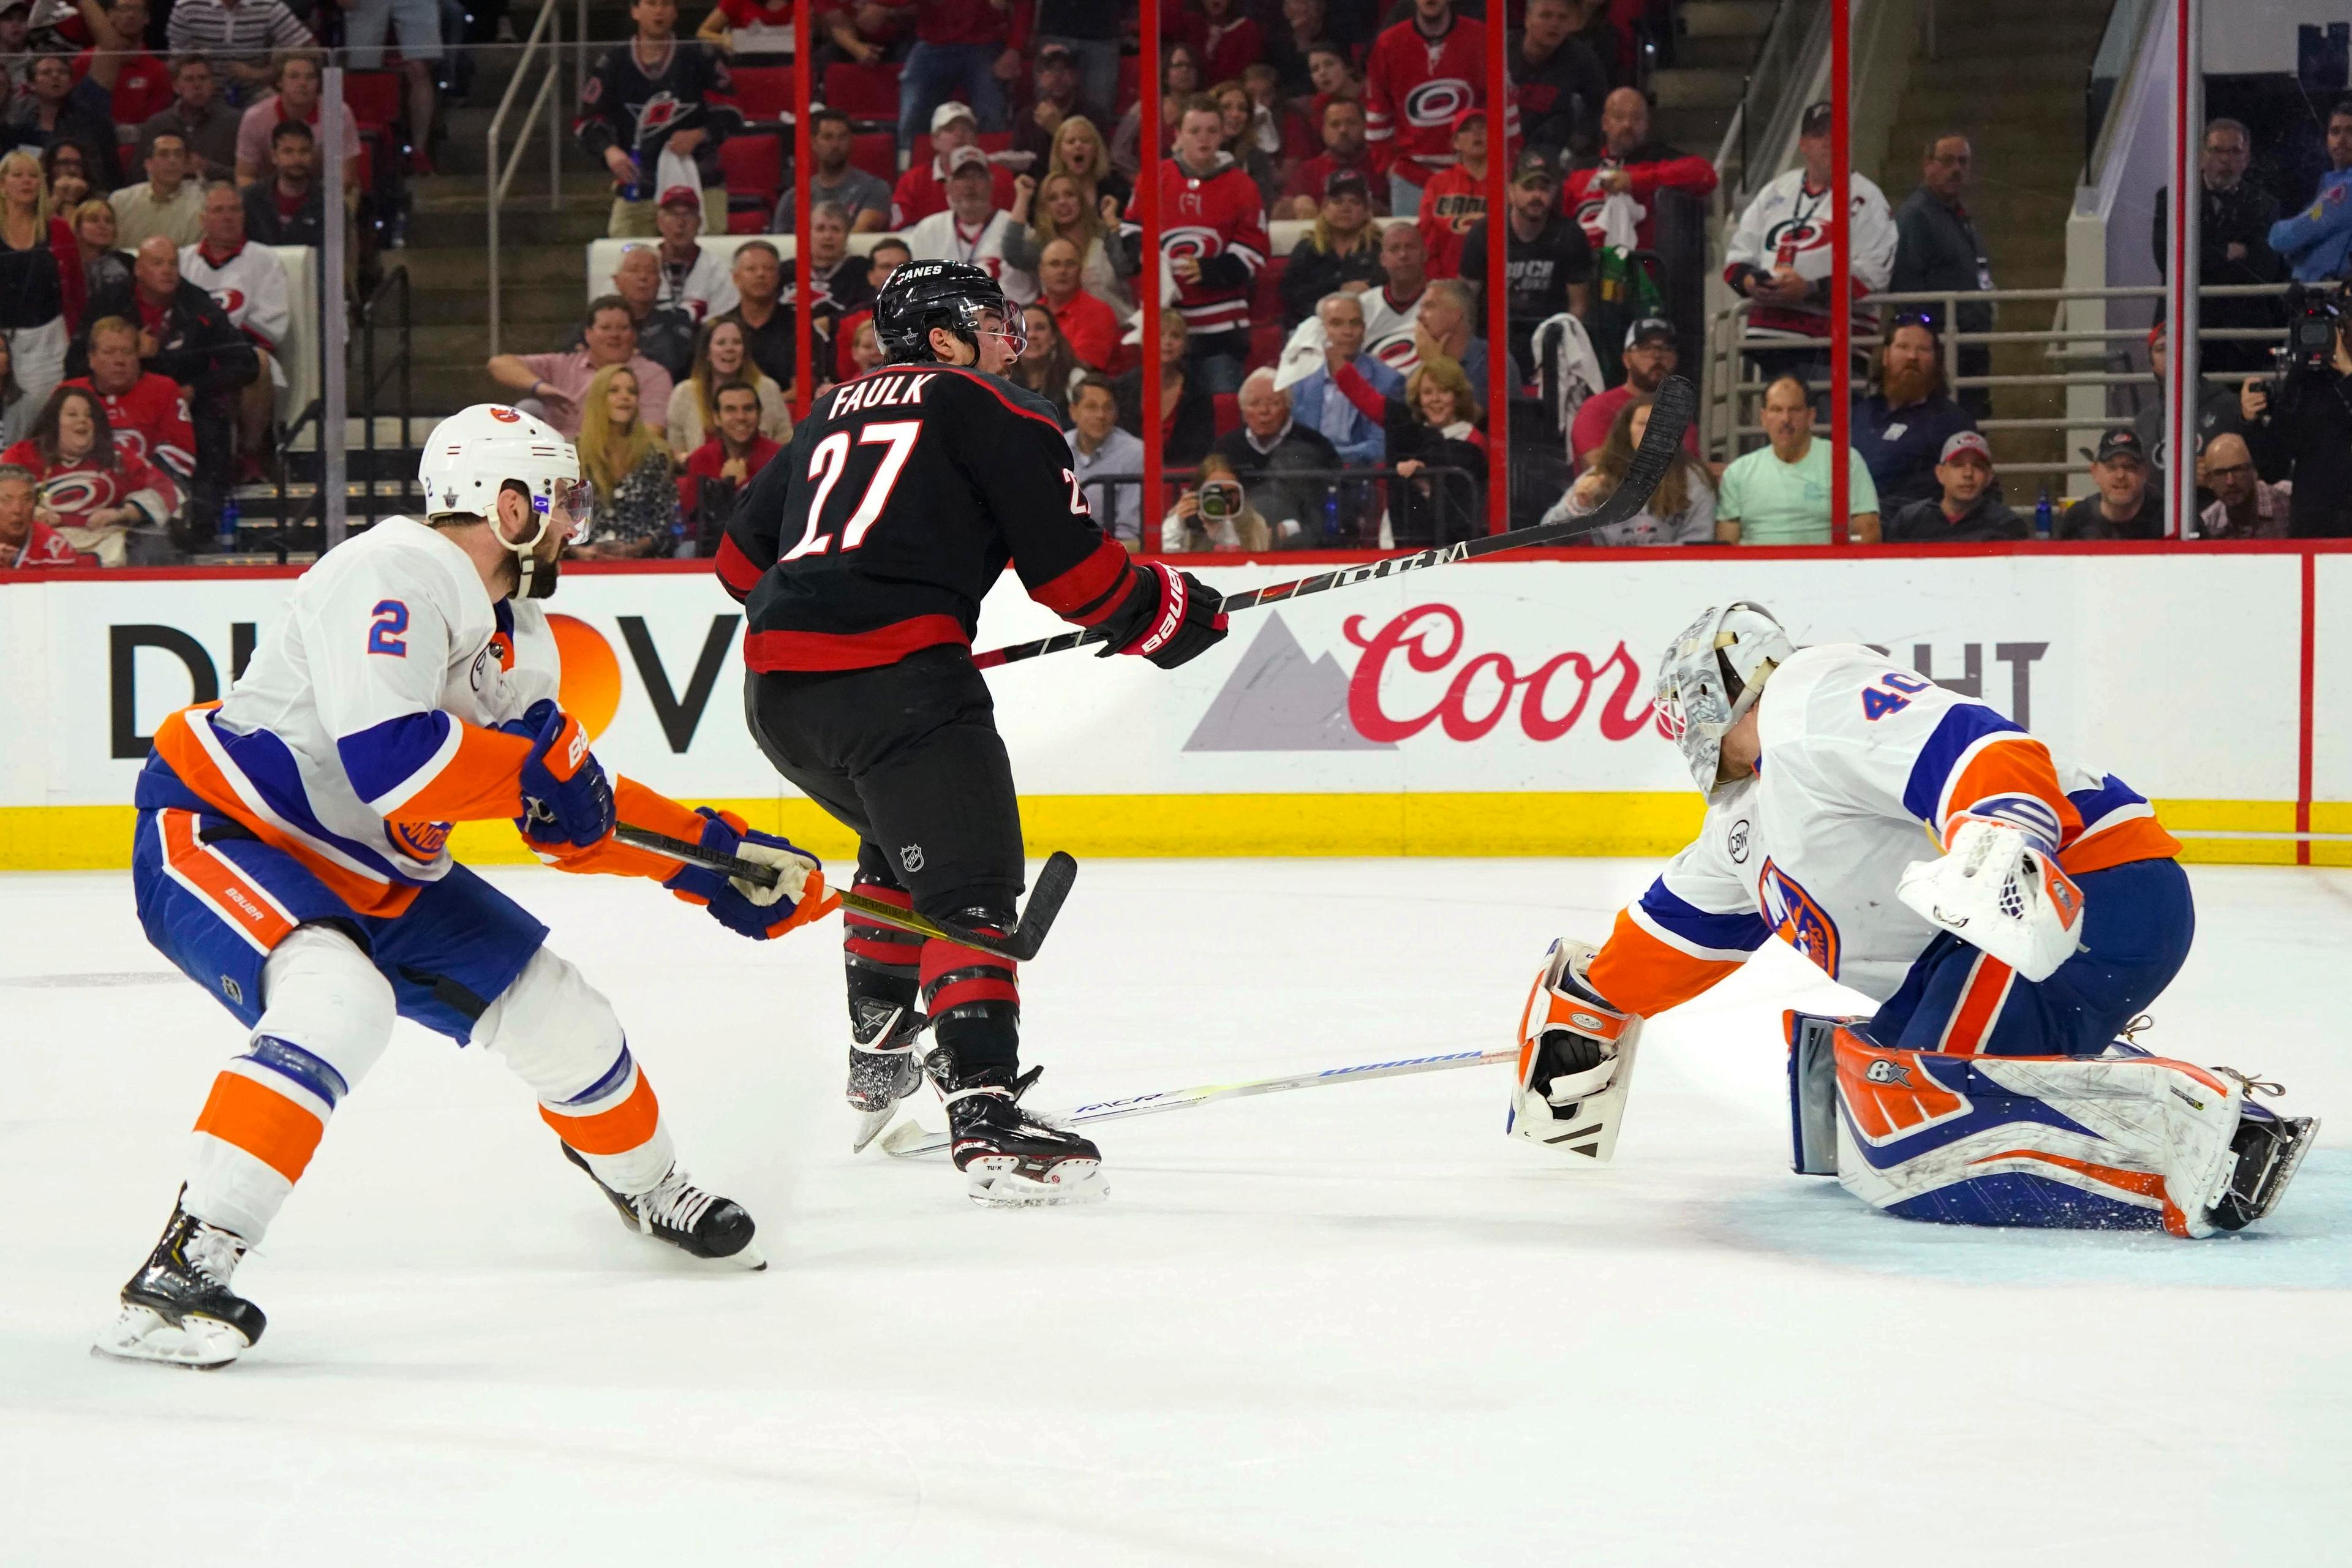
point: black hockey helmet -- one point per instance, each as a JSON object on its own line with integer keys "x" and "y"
{"x": 920, "y": 295}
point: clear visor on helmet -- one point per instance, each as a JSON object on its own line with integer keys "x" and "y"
{"x": 570, "y": 504}
{"x": 1011, "y": 325}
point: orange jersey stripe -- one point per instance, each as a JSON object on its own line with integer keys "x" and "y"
{"x": 1978, "y": 1008}
{"x": 271, "y": 1128}
{"x": 186, "y": 757}
{"x": 481, "y": 782}
{"x": 624, "y": 1127}
{"x": 1639, "y": 974}
{"x": 218, "y": 880}
{"x": 2009, "y": 765}
{"x": 638, "y": 806}
{"x": 2134, "y": 838}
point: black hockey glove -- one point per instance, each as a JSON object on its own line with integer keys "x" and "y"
{"x": 1168, "y": 616}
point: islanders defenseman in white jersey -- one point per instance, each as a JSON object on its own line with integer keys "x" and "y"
{"x": 1990, "y": 1087}
{"x": 291, "y": 859}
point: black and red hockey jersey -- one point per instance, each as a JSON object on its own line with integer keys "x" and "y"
{"x": 1219, "y": 220}
{"x": 623, "y": 105}
{"x": 903, "y": 496}
{"x": 1414, "y": 85}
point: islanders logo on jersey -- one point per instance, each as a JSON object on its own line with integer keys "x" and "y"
{"x": 420, "y": 840}
{"x": 1797, "y": 918}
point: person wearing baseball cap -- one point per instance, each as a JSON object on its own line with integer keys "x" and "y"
{"x": 922, "y": 190}
{"x": 1968, "y": 513}
{"x": 2126, "y": 506}
{"x": 1651, "y": 354}
{"x": 693, "y": 279}
{"x": 1548, "y": 259}
{"x": 1455, "y": 196}
{"x": 1341, "y": 251}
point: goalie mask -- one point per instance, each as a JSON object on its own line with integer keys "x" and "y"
{"x": 1712, "y": 674}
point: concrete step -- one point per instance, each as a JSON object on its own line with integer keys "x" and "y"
{"x": 1697, "y": 129}
{"x": 1715, "y": 53}
{"x": 525, "y": 226}
{"x": 520, "y": 266}
{"x": 1748, "y": 19}
{"x": 1704, "y": 88}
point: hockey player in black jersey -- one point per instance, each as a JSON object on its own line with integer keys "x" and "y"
{"x": 862, "y": 554}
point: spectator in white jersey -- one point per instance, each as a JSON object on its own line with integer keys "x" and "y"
{"x": 694, "y": 282}
{"x": 249, "y": 283}
{"x": 973, "y": 227}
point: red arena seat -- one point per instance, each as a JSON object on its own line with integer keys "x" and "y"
{"x": 863, "y": 92}
{"x": 764, "y": 92}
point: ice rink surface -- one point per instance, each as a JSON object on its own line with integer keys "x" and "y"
{"x": 1353, "y": 1325}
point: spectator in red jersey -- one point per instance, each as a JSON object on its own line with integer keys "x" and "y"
{"x": 24, "y": 539}
{"x": 1213, "y": 238}
{"x": 137, "y": 85}
{"x": 1631, "y": 162}
{"x": 1085, "y": 323}
{"x": 1343, "y": 251}
{"x": 1559, "y": 82}
{"x": 717, "y": 471}
{"x": 1650, "y": 356}
{"x": 1343, "y": 151}
{"x": 1179, "y": 80}
{"x": 1226, "y": 38}
{"x": 922, "y": 190}
{"x": 147, "y": 412}
{"x": 1422, "y": 72}
{"x": 89, "y": 492}
{"x": 966, "y": 43}
{"x": 1455, "y": 198}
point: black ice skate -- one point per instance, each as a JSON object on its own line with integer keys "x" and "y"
{"x": 884, "y": 1068}
{"x": 178, "y": 1309}
{"x": 683, "y": 1214}
{"x": 2269, "y": 1149}
{"x": 1009, "y": 1158}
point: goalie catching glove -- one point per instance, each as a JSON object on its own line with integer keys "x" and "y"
{"x": 1576, "y": 1059}
{"x": 1999, "y": 890}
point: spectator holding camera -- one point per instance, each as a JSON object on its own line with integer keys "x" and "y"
{"x": 2301, "y": 429}
{"x": 1287, "y": 462}
{"x": 2126, "y": 507}
{"x": 1968, "y": 513}
{"x": 1215, "y": 515}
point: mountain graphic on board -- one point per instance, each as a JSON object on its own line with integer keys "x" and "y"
{"x": 1278, "y": 700}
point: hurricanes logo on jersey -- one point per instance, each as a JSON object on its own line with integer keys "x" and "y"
{"x": 1436, "y": 102}
{"x": 657, "y": 114}
{"x": 1797, "y": 918}
{"x": 1792, "y": 234}
{"x": 1190, "y": 239}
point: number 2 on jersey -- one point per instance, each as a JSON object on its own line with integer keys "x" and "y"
{"x": 1877, "y": 704}
{"x": 827, "y": 464}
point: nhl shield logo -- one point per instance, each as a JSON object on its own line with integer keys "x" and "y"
{"x": 911, "y": 857}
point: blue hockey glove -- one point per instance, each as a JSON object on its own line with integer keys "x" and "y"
{"x": 746, "y": 908}
{"x": 567, "y": 798}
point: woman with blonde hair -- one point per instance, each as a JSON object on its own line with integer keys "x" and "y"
{"x": 1681, "y": 509}
{"x": 1215, "y": 514}
{"x": 1060, "y": 212}
{"x": 1435, "y": 426}
{"x": 42, "y": 288}
{"x": 104, "y": 263}
{"x": 721, "y": 354}
{"x": 628, "y": 468}
{"x": 1081, "y": 151}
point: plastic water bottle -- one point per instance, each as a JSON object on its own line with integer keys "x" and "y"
{"x": 227, "y": 538}
{"x": 2042, "y": 515}
{"x": 679, "y": 546}
{"x": 1331, "y": 517}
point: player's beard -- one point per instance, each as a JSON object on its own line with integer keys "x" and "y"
{"x": 543, "y": 576}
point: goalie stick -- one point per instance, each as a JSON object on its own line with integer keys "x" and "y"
{"x": 909, "y": 1138}
{"x": 1670, "y": 416}
{"x": 1019, "y": 945}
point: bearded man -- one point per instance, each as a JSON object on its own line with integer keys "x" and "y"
{"x": 1900, "y": 429}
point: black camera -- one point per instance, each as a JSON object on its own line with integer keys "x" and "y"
{"x": 2313, "y": 321}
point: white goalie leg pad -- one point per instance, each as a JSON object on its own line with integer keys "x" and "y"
{"x": 563, "y": 1038}
{"x": 2088, "y": 1143}
{"x": 327, "y": 1016}
{"x": 1577, "y": 1110}
{"x": 2001, "y": 893}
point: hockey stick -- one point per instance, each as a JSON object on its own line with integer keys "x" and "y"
{"x": 1020, "y": 944}
{"x": 1670, "y": 416}
{"x": 909, "y": 1138}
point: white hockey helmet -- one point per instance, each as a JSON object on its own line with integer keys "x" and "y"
{"x": 1712, "y": 674}
{"x": 475, "y": 453}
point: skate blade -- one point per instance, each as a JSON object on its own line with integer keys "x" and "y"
{"x": 1075, "y": 1182}
{"x": 869, "y": 1126}
{"x": 142, "y": 1335}
{"x": 2275, "y": 1188}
